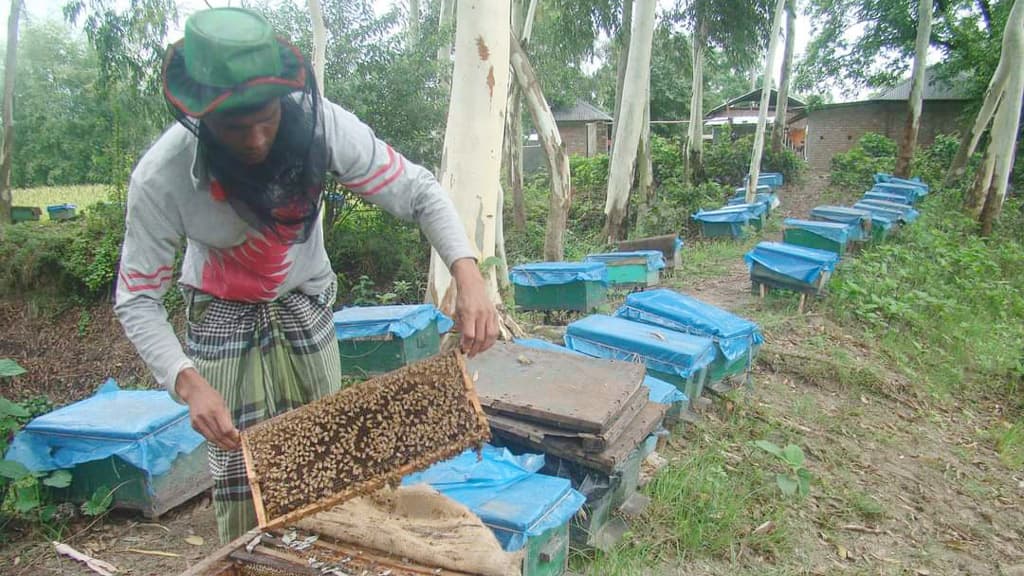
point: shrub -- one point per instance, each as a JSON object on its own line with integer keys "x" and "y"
{"x": 727, "y": 161}
{"x": 854, "y": 170}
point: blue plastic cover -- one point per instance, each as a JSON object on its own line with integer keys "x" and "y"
{"x": 835, "y": 231}
{"x": 804, "y": 264}
{"x": 911, "y": 193}
{"x": 892, "y": 215}
{"x": 773, "y": 179}
{"x": 909, "y": 213}
{"x": 145, "y": 428}
{"x": 769, "y": 198}
{"x": 761, "y": 189}
{"x": 505, "y": 491}
{"x": 667, "y": 308}
{"x": 842, "y": 214}
{"x": 661, "y": 392}
{"x": 660, "y": 349}
{"x": 898, "y": 198}
{"x": 555, "y": 273}
{"x": 398, "y": 321}
{"x": 741, "y": 213}
{"x": 678, "y": 243}
{"x": 890, "y": 179}
{"x": 655, "y": 259}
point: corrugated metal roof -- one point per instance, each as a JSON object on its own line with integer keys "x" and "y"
{"x": 934, "y": 89}
{"x": 754, "y": 97}
{"x": 580, "y": 112}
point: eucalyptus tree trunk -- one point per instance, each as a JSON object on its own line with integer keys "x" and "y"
{"x": 782, "y": 105}
{"x": 627, "y": 139}
{"x": 316, "y": 15}
{"x": 766, "y": 93}
{"x": 522, "y": 28}
{"x": 558, "y": 158}
{"x": 909, "y": 140}
{"x": 625, "y": 30}
{"x": 414, "y": 22}
{"x": 10, "y": 70}
{"x": 445, "y": 20}
{"x": 645, "y": 178}
{"x": 471, "y": 161}
{"x": 695, "y": 135}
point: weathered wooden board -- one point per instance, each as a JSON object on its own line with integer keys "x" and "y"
{"x": 555, "y": 389}
{"x": 356, "y": 441}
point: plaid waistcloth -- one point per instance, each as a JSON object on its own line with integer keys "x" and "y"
{"x": 264, "y": 359}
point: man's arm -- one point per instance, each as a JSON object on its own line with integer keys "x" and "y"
{"x": 379, "y": 174}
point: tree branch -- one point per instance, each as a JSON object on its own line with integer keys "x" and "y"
{"x": 986, "y": 14}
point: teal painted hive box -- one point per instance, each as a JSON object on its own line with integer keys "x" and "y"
{"x": 860, "y": 221}
{"x": 527, "y": 511}
{"x": 830, "y": 236}
{"x": 677, "y": 358}
{"x": 61, "y": 211}
{"x": 790, "y": 267}
{"x": 374, "y": 340}
{"x": 630, "y": 269}
{"x": 25, "y": 214}
{"x": 551, "y": 286}
{"x": 138, "y": 443}
{"x": 670, "y": 246}
{"x": 731, "y": 220}
{"x": 737, "y": 340}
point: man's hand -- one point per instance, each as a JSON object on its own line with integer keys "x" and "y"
{"x": 475, "y": 315}
{"x": 207, "y": 410}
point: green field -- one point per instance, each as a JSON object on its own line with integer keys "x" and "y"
{"x": 81, "y": 196}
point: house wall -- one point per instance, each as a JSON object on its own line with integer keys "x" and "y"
{"x": 835, "y": 130}
{"x": 574, "y": 138}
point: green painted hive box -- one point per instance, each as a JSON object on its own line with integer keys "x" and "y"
{"x": 641, "y": 268}
{"x": 374, "y": 340}
{"x": 790, "y": 267}
{"x": 527, "y": 511}
{"x": 731, "y": 220}
{"x": 550, "y": 286}
{"x": 25, "y": 214}
{"x": 61, "y": 211}
{"x": 830, "y": 236}
{"x": 137, "y": 443}
{"x": 736, "y": 340}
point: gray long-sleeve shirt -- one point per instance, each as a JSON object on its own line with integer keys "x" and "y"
{"x": 170, "y": 200}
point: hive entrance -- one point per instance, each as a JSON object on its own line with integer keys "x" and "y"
{"x": 368, "y": 435}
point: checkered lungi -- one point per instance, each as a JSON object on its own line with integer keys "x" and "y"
{"x": 264, "y": 359}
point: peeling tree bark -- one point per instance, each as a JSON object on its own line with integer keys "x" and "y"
{"x": 782, "y": 106}
{"x": 627, "y": 139}
{"x": 522, "y": 28}
{"x": 499, "y": 244}
{"x": 909, "y": 141}
{"x": 695, "y": 135}
{"x": 623, "y": 40}
{"x": 997, "y": 104}
{"x": 766, "y": 93}
{"x": 645, "y": 178}
{"x": 558, "y": 158}
{"x": 471, "y": 161}
{"x": 10, "y": 71}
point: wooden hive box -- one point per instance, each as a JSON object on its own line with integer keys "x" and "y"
{"x": 362, "y": 438}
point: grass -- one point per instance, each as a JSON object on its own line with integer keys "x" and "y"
{"x": 711, "y": 258}
{"x": 1010, "y": 444}
{"x": 81, "y": 196}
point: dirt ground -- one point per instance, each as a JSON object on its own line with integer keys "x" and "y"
{"x": 904, "y": 484}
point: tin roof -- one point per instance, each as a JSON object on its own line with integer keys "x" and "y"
{"x": 580, "y": 112}
{"x": 934, "y": 89}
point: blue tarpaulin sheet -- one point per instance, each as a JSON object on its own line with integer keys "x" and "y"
{"x": 835, "y": 231}
{"x": 732, "y": 335}
{"x": 908, "y": 212}
{"x": 145, "y": 428}
{"x": 844, "y": 215}
{"x": 768, "y": 198}
{"x": 911, "y": 193}
{"x": 660, "y": 349}
{"x": 898, "y": 198}
{"x": 661, "y": 392}
{"x": 773, "y": 179}
{"x": 555, "y": 273}
{"x": 892, "y": 215}
{"x": 890, "y": 179}
{"x": 505, "y": 491}
{"x": 741, "y": 213}
{"x": 761, "y": 189}
{"x": 655, "y": 259}
{"x": 803, "y": 264}
{"x": 397, "y": 321}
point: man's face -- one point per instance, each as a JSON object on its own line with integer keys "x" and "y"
{"x": 248, "y": 134}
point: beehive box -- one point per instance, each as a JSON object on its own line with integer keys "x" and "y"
{"x": 25, "y": 214}
{"x": 730, "y": 221}
{"x": 61, "y": 211}
{"x": 830, "y": 236}
{"x": 789, "y": 267}
{"x": 550, "y": 286}
{"x": 670, "y": 246}
{"x": 860, "y": 219}
{"x": 641, "y": 268}
{"x": 374, "y": 340}
{"x": 361, "y": 438}
{"x": 908, "y": 214}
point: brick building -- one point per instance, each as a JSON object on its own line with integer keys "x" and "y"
{"x": 834, "y": 128}
{"x": 585, "y": 129}
{"x": 740, "y": 115}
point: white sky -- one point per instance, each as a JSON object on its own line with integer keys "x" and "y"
{"x": 52, "y": 9}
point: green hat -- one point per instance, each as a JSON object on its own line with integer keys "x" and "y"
{"x": 229, "y": 58}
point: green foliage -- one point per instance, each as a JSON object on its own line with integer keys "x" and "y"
{"x": 727, "y": 160}
{"x": 1010, "y": 444}
{"x": 855, "y": 169}
{"x": 944, "y": 303}
{"x": 797, "y": 479}
{"x": 99, "y": 502}
{"x": 9, "y": 368}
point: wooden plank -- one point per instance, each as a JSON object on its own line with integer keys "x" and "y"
{"x": 642, "y": 426}
{"x": 403, "y": 422}
{"x": 587, "y": 442}
{"x": 553, "y": 388}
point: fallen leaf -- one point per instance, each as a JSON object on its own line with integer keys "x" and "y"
{"x": 842, "y": 552}
{"x": 195, "y": 540}
{"x": 766, "y": 528}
